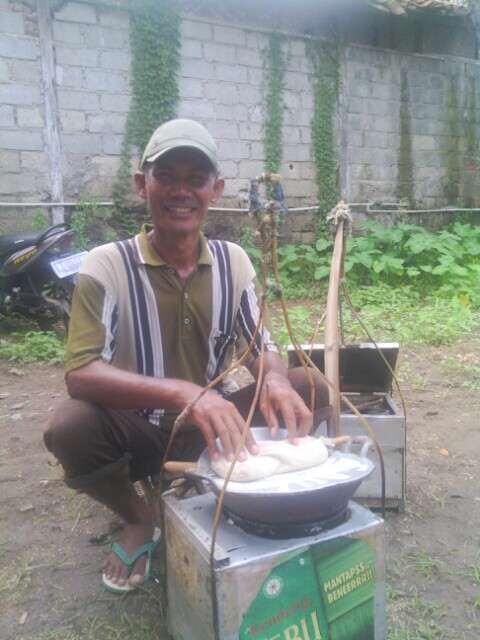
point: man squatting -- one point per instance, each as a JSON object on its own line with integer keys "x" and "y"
{"x": 154, "y": 319}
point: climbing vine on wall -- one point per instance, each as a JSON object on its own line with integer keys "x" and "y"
{"x": 155, "y": 62}
{"x": 324, "y": 57}
{"x": 405, "y": 184}
{"x": 452, "y": 152}
{"x": 274, "y": 102}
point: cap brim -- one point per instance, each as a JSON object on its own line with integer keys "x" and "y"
{"x": 182, "y": 144}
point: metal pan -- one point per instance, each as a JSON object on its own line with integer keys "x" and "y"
{"x": 309, "y": 495}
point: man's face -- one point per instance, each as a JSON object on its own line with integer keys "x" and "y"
{"x": 178, "y": 189}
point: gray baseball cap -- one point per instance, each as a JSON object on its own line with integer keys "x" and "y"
{"x": 180, "y": 133}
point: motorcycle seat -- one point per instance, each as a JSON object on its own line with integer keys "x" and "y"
{"x": 15, "y": 242}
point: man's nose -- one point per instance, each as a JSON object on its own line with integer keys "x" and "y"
{"x": 180, "y": 188}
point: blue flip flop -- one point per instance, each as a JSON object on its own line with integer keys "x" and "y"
{"x": 147, "y": 549}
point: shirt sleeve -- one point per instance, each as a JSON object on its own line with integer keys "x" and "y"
{"x": 92, "y": 328}
{"x": 246, "y": 322}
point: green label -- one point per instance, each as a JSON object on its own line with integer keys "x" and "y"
{"x": 324, "y": 593}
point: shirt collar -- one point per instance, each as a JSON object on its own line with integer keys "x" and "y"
{"x": 147, "y": 254}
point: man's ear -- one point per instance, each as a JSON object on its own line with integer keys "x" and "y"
{"x": 218, "y": 188}
{"x": 140, "y": 179}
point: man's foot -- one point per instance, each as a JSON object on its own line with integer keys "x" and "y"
{"x": 118, "y": 574}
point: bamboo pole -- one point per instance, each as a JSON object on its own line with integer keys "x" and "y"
{"x": 332, "y": 339}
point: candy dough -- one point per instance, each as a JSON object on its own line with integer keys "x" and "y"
{"x": 276, "y": 456}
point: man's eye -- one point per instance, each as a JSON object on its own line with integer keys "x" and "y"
{"x": 197, "y": 181}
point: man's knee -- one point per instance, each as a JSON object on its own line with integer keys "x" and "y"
{"x": 68, "y": 428}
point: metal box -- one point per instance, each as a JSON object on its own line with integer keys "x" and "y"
{"x": 329, "y": 585}
{"x": 366, "y": 380}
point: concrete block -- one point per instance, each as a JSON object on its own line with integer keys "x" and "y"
{"x": 298, "y": 117}
{"x": 34, "y": 161}
{"x": 191, "y": 88}
{"x": 255, "y": 113}
{"x": 296, "y": 152}
{"x": 234, "y": 187}
{"x": 375, "y": 139}
{"x": 306, "y": 135}
{"x": 78, "y": 100}
{"x": 18, "y": 47}
{"x": 223, "y": 129}
{"x": 225, "y": 93}
{"x": 110, "y": 38}
{"x": 72, "y": 77}
{"x": 256, "y": 77}
{"x": 377, "y": 107}
{"x": 424, "y": 143}
{"x": 306, "y": 99}
{"x": 197, "y": 109}
{"x": 20, "y": 140}
{"x": 299, "y": 188}
{"x": 25, "y": 71}
{"x": 234, "y": 150}
{"x": 229, "y": 71}
{"x": 292, "y": 135}
{"x": 252, "y": 39}
{"x": 229, "y": 35}
{"x": 79, "y": 56}
{"x": 297, "y": 47}
{"x": 291, "y": 100}
{"x": 105, "y": 167}
{"x": 355, "y": 138}
{"x": 4, "y": 71}
{"x": 237, "y": 112}
{"x": 229, "y": 169}
{"x": 81, "y": 143}
{"x": 196, "y": 30}
{"x": 361, "y": 89}
{"x": 19, "y": 94}
{"x": 192, "y": 49}
{"x": 296, "y": 81}
{"x": 249, "y": 58}
{"x": 72, "y": 121}
{"x": 11, "y": 23}
{"x": 249, "y": 95}
{"x": 106, "y": 123}
{"x": 76, "y": 12}
{"x": 250, "y": 169}
{"x": 193, "y": 68}
{"x": 10, "y": 161}
{"x": 215, "y": 52}
{"x": 7, "y": 116}
{"x": 67, "y": 32}
{"x": 257, "y": 150}
{"x": 116, "y": 19}
{"x": 29, "y": 118}
{"x": 251, "y": 131}
{"x": 115, "y": 60}
{"x": 112, "y": 144}
{"x": 105, "y": 81}
{"x": 16, "y": 183}
{"x": 307, "y": 170}
{"x": 356, "y": 105}
{"x": 114, "y": 102}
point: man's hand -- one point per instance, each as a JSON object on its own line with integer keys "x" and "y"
{"x": 217, "y": 417}
{"x": 279, "y": 398}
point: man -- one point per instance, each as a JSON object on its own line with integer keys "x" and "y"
{"x": 154, "y": 319}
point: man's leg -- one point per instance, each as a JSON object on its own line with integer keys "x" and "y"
{"x": 102, "y": 451}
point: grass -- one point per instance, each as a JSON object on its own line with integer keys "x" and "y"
{"x": 414, "y": 618}
{"x": 125, "y": 627}
{"x": 390, "y": 315}
{"x": 33, "y": 346}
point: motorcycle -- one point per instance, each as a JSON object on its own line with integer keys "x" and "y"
{"x": 37, "y": 274}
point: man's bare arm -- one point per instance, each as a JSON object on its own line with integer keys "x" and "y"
{"x": 108, "y": 386}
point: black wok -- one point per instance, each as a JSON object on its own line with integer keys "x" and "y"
{"x": 309, "y": 495}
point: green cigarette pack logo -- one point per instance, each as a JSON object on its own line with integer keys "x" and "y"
{"x": 324, "y": 593}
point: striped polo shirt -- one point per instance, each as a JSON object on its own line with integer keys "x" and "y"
{"x": 132, "y": 310}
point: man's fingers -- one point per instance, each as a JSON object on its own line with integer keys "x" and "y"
{"x": 304, "y": 419}
{"x": 225, "y": 435}
{"x": 290, "y": 421}
{"x": 211, "y": 441}
{"x": 241, "y": 425}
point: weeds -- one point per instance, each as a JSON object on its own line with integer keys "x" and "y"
{"x": 33, "y": 346}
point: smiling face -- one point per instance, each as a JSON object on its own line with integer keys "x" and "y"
{"x": 178, "y": 189}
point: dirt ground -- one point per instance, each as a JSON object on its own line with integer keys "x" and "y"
{"x": 52, "y": 542}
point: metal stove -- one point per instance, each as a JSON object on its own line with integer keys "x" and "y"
{"x": 325, "y": 582}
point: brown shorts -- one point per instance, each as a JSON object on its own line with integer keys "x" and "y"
{"x": 93, "y": 442}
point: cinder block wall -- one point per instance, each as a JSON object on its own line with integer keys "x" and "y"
{"x": 221, "y": 85}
